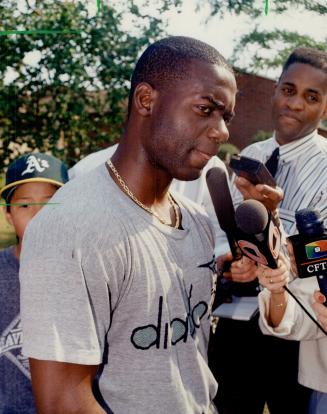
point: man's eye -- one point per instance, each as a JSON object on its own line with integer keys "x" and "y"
{"x": 205, "y": 109}
{"x": 287, "y": 91}
{"x": 24, "y": 205}
{"x": 312, "y": 98}
{"x": 228, "y": 119}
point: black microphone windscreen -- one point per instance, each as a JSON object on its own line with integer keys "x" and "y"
{"x": 221, "y": 198}
{"x": 218, "y": 187}
{"x": 309, "y": 222}
{"x": 251, "y": 217}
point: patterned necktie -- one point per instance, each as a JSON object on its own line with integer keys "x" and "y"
{"x": 272, "y": 162}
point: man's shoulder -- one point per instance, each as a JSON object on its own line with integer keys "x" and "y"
{"x": 315, "y": 151}
{"x": 321, "y": 142}
{"x": 91, "y": 161}
{"x": 77, "y": 200}
{"x": 83, "y": 213}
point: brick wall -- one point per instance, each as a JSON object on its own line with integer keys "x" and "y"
{"x": 253, "y": 108}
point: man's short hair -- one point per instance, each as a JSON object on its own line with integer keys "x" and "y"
{"x": 309, "y": 56}
{"x": 168, "y": 60}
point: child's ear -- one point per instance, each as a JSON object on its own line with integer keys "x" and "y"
{"x": 8, "y": 216}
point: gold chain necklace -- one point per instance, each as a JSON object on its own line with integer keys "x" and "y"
{"x": 139, "y": 203}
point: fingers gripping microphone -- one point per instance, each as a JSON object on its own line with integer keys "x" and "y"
{"x": 258, "y": 235}
{"x": 223, "y": 205}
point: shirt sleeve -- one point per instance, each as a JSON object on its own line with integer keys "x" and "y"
{"x": 59, "y": 320}
{"x": 296, "y": 324}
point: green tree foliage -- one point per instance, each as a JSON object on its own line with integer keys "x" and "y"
{"x": 257, "y": 41}
{"x": 226, "y": 150}
{"x": 281, "y": 42}
{"x": 261, "y": 136}
{"x": 74, "y": 100}
{"x": 221, "y": 7}
{"x": 255, "y": 8}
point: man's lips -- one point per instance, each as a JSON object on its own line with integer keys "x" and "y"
{"x": 289, "y": 117}
{"x": 205, "y": 155}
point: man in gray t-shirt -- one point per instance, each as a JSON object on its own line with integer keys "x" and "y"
{"x": 117, "y": 277}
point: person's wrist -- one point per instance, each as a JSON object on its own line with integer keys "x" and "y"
{"x": 278, "y": 299}
{"x": 275, "y": 214}
{"x": 278, "y": 294}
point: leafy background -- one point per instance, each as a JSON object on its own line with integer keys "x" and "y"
{"x": 72, "y": 101}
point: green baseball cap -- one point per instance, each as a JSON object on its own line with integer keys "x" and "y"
{"x": 34, "y": 167}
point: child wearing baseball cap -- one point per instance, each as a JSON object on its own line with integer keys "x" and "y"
{"x": 31, "y": 181}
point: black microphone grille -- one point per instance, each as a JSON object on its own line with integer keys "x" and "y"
{"x": 251, "y": 217}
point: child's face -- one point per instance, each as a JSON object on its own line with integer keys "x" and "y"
{"x": 19, "y": 216}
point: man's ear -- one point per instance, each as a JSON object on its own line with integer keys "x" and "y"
{"x": 324, "y": 114}
{"x": 144, "y": 98}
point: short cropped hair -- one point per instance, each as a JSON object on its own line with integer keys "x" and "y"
{"x": 168, "y": 60}
{"x": 307, "y": 55}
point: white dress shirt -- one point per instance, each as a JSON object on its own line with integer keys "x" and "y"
{"x": 301, "y": 173}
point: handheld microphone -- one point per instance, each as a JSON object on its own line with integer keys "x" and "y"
{"x": 258, "y": 234}
{"x": 223, "y": 205}
{"x": 224, "y": 209}
{"x": 310, "y": 247}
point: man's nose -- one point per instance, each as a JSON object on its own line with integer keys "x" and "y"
{"x": 295, "y": 103}
{"x": 219, "y": 132}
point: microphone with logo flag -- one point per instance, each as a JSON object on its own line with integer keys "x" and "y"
{"x": 310, "y": 247}
{"x": 260, "y": 239}
{"x": 258, "y": 234}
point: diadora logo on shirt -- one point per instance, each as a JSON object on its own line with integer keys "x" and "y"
{"x": 175, "y": 330}
{"x": 35, "y": 164}
{"x": 11, "y": 342}
{"x": 210, "y": 265}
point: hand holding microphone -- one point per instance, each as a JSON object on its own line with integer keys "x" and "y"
{"x": 259, "y": 239}
{"x": 242, "y": 270}
{"x": 274, "y": 279}
{"x": 258, "y": 235}
{"x": 250, "y": 228}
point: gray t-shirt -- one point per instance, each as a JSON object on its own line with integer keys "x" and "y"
{"x": 104, "y": 282}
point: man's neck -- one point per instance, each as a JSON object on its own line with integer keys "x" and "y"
{"x": 283, "y": 141}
